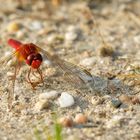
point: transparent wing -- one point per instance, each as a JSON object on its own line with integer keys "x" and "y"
{"x": 77, "y": 75}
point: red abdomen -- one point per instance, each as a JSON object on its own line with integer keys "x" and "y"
{"x": 14, "y": 43}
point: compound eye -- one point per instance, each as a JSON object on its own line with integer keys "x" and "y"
{"x": 38, "y": 57}
{"x": 30, "y": 58}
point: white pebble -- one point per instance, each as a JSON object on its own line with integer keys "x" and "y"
{"x": 88, "y": 61}
{"x": 95, "y": 100}
{"x": 10, "y": 74}
{"x": 47, "y": 62}
{"x": 51, "y": 38}
{"x": 7, "y": 53}
{"x": 48, "y": 95}
{"x": 71, "y": 28}
{"x": 65, "y": 100}
{"x": 115, "y": 121}
{"x": 36, "y": 25}
{"x": 20, "y": 34}
{"x": 71, "y": 36}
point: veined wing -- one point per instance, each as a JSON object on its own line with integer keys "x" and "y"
{"x": 73, "y": 73}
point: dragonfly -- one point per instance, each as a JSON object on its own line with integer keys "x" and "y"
{"x": 32, "y": 55}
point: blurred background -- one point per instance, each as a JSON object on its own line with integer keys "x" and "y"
{"x": 71, "y": 27}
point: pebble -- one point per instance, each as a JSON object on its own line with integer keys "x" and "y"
{"x": 10, "y": 74}
{"x": 48, "y": 95}
{"x": 36, "y": 25}
{"x": 13, "y": 27}
{"x": 42, "y": 104}
{"x": 66, "y": 121}
{"x": 135, "y": 100}
{"x": 7, "y": 53}
{"x": 116, "y": 103}
{"x": 125, "y": 99}
{"x": 20, "y": 34}
{"x": 88, "y": 61}
{"x": 115, "y": 121}
{"x": 65, "y": 100}
{"x": 70, "y": 36}
{"x": 80, "y": 119}
{"x": 95, "y": 100}
{"x": 123, "y": 106}
{"x": 51, "y": 38}
{"x": 47, "y": 62}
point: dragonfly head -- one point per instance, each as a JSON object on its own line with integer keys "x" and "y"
{"x": 34, "y": 60}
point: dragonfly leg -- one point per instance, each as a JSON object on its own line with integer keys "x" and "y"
{"x": 33, "y": 84}
{"x": 11, "y": 94}
{"x": 28, "y": 78}
{"x": 41, "y": 76}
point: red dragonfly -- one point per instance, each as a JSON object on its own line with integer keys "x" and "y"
{"x": 31, "y": 54}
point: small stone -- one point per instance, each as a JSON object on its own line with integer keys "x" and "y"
{"x": 80, "y": 119}
{"x": 36, "y": 25}
{"x": 51, "y": 38}
{"x": 42, "y": 104}
{"x": 125, "y": 99}
{"x": 88, "y": 61}
{"x": 48, "y": 95}
{"x": 131, "y": 83}
{"x": 47, "y": 62}
{"x": 66, "y": 100}
{"x": 20, "y": 34}
{"x": 13, "y": 27}
{"x": 116, "y": 103}
{"x": 95, "y": 100}
{"x": 135, "y": 100}
{"x": 71, "y": 28}
{"x": 66, "y": 121}
{"x": 10, "y": 74}
{"x": 115, "y": 121}
{"x": 7, "y": 53}
{"x": 123, "y": 106}
{"x": 71, "y": 36}
{"x": 72, "y": 33}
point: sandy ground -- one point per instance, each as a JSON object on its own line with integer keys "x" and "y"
{"x": 104, "y": 38}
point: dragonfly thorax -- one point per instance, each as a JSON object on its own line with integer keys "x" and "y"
{"x": 34, "y": 60}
